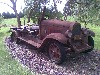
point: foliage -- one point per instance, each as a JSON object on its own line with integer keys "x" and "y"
{"x": 87, "y": 11}
{"x": 7, "y": 15}
{"x": 51, "y": 13}
{"x": 34, "y": 8}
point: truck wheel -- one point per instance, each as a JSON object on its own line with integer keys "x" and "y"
{"x": 90, "y": 43}
{"x": 56, "y": 52}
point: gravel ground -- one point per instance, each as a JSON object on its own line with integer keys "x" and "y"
{"x": 80, "y": 64}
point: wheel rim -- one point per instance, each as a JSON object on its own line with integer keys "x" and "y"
{"x": 54, "y": 52}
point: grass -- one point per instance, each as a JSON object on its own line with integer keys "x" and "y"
{"x": 13, "y": 21}
{"x": 9, "y": 66}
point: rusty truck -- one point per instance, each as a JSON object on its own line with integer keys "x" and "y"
{"x": 56, "y": 37}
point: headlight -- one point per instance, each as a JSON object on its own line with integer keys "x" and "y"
{"x": 77, "y": 37}
{"x": 68, "y": 33}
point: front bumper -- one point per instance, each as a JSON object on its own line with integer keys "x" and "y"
{"x": 81, "y": 47}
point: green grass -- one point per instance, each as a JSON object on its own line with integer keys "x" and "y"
{"x": 9, "y": 66}
{"x": 13, "y": 21}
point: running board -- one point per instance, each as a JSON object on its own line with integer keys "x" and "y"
{"x": 37, "y": 45}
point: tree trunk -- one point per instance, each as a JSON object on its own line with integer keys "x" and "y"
{"x": 65, "y": 17}
{"x": 15, "y": 10}
{"x": 28, "y": 19}
{"x": 55, "y": 7}
{"x": 18, "y": 18}
{"x": 32, "y": 9}
{"x": 29, "y": 15}
{"x": 24, "y": 22}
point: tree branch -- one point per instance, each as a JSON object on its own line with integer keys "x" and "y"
{"x": 15, "y": 1}
{"x": 12, "y": 1}
{"x": 7, "y": 4}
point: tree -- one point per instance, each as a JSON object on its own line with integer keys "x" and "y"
{"x": 21, "y": 14}
{"x": 1, "y": 18}
{"x": 15, "y": 10}
{"x": 33, "y": 7}
{"x": 51, "y": 13}
{"x": 55, "y": 7}
{"x": 87, "y": 11}
{"x": 10, "y": 15}
{"x": 4, "y": 15}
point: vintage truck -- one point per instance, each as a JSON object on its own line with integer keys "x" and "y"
{"x": 57, "y": 37}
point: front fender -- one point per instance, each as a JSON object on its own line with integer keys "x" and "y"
{"x": 57, "y": 36}
{"x": 91, "y": 33}
{"x": 88, "y": 32}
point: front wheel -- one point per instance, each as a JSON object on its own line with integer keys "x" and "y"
{"x": 56, "y": 52}
{"x": 90, "y": 43}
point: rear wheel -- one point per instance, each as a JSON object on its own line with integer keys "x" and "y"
{"x": 90, "y": 43}
{"x": 56, "y": 52}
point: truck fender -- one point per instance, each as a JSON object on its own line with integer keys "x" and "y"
{"x": 88, "y": 32}
{"x": 56, "y": 36}
{"x": 91, "y": 33}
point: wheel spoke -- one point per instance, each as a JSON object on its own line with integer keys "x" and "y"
{"x": 54, "y": 52}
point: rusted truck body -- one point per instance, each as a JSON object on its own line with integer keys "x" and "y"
{"x": 57, "y": 37}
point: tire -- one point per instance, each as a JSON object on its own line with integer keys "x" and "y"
{"x": 90, "y": 43}
{"x": 56, "y": 52}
